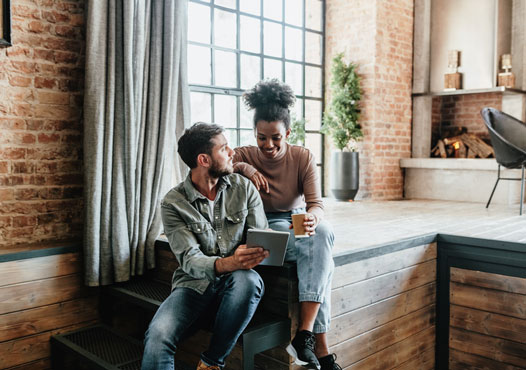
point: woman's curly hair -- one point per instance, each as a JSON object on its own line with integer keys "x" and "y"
{"x": 271, "y": 100}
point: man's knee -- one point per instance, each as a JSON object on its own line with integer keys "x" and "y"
{"x": 159, "y": 332}
{"x": 247, "y": 283}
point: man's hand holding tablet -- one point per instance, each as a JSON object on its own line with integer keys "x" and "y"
{"x": 273, "y": 241}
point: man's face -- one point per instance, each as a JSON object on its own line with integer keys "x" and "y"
{"x": 222, "y": 157}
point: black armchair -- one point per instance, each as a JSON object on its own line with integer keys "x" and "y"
{"x": 508, "y": 137}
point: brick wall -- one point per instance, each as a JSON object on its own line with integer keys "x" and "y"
{"x": 463, "y": 111}
{"x": 378, "y": 35}
{"x": 41, "y": 94}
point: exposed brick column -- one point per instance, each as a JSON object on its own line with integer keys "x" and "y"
{"x": 378, "y": 35}
{"x": 41, "y": 95}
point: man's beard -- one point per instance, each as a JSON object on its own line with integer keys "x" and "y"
{"x": 216, "y": 172}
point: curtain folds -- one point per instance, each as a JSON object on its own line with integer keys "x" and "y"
{"x": 136, "y": 103}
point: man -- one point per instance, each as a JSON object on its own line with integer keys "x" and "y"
{"x": 205, "y": 219}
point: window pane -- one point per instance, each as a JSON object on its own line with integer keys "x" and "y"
{"x": 298, "y": 108}
{"x": 246, "y": 116}
{"x": 293, "y": 44}
{"x": 225, "y": 29}
{"x": 225, "y": 110}
{"x": 294, "y": 12}
{"x": 199, "y": 65}
{"x": 231, "y": 137}
{"x": 247, "y": 137}
{"x": 226, "y": 3}
{"x": 273, "y": 68}
{"x": 313, "y": 81}
{"x": 200, "y": 107}
{"x": 272, "y": 39}
{"x": 313, "y": 16}
{"x": 272, "y": 9}
{"x": 313, "y": 48}
{"x": 294, "y": 77}
{"x": 225, "y": 69}
{"x": 250, "y": 71}
{"x": 250, "y": 6}
{"x": 313, "y": 143}
{"x": 199, "y": 23}
{"x": 250, "y": 32}
{"x": 312, "y": 114}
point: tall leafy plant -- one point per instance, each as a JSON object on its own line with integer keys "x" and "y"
{"x": 340, "y": 120}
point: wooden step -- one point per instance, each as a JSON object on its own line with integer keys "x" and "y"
{"x": 98, "y": 347}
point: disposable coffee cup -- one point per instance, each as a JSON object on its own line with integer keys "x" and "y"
{"x": 297, "y": 223}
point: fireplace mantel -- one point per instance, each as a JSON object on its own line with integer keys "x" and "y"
{"x": 458, "y": 179}
{"x": 508, "y": 32}
{"x": 498, "y": 89}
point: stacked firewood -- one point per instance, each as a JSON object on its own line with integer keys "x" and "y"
{"x": 462, "y": 146}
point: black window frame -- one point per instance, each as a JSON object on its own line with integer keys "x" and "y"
{"x": 238, "y": 91}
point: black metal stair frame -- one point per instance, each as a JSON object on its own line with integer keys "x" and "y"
{"x": 265, "y": 331}
{"x": 97, "y": 348}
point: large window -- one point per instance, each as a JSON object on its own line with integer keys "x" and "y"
{"x": 232, "y": 44}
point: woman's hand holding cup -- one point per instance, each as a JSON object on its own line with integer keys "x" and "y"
{"x": 304, "y": 225}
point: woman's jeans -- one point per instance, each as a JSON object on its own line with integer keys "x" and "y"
{"x": 313, "y": 257}
{"x": 233, "y": 298}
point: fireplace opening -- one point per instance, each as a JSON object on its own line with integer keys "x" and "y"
{"x": 456, "y": 142}
{"x": 458, "y": 130}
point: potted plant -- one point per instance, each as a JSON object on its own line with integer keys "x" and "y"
{"x": 340, "y": 121}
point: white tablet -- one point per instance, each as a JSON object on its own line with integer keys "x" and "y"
{"x": 273, "y": 241}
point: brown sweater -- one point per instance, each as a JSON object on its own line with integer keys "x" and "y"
{"x": 292, "y": 177}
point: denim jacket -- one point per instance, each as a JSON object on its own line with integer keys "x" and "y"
{"x": 197, "y": 238}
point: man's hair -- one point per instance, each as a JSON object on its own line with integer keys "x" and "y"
{"x": 197, "y": 140}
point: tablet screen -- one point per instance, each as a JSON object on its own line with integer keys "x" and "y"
{"x": 273, "y": 241}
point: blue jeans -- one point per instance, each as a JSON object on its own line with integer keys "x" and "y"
{"x": 233, "y": 298}
{"x": 313, "y": 257}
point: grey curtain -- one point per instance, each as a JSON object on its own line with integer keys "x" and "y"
{"x": 135, "y": 105}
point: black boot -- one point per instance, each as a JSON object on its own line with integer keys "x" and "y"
{"x": 302, "y": 349}
{"x": 329, "y": 362}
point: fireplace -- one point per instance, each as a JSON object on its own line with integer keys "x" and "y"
{"x": 457, "y": 161}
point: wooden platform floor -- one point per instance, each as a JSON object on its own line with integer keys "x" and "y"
{"x": 364, "y": 224}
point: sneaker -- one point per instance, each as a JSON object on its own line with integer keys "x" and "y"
{"x": 302, "y": 350}
{"x": 329, "y": 362}
{"x": 202, "y": 366}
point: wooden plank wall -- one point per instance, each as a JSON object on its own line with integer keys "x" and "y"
{"x": 40, "y": 297}
{"x": 487, "y": 321}
{"x": 383, "y": 311}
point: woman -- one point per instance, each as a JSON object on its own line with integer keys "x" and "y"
{"x": 288, "y": 183}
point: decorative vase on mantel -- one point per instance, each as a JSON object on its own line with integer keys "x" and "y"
{"x": 345, "y": 171}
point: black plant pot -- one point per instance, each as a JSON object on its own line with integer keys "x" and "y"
{"x": 345, "y": 170}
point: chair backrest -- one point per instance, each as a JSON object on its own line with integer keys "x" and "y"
{"x": 508, "y": 137}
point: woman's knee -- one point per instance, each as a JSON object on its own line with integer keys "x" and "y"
{"x": 325, "y": 233}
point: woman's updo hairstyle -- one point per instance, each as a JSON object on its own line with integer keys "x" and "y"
{"x": 271, "y": 100}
